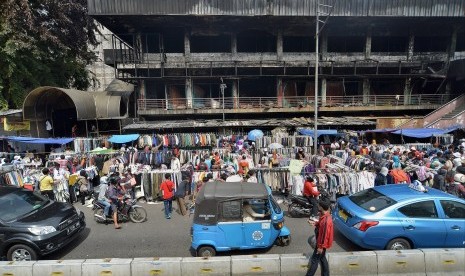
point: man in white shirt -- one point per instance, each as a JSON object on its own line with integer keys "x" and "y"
{"x": 175, "y": 164}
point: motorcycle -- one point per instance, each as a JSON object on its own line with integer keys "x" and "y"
{"x": 300, "y": 207}
{"x": 128, "y": 210}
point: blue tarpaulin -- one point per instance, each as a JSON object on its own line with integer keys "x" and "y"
{"x": 121, "y": 139}
{"x": 421, "y": 132}
{"x": 33, "y": 140}
{"x": 311, "y": 132}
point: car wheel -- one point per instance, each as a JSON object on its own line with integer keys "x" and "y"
{"x": 398, "y": 244}
{"x": 206, "y": 251}
{"x": 21, "y": 252}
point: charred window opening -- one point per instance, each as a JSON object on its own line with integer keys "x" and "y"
{"x": 262, "y": 87}
{"x": 210, "y": 44}
{"x": 352, "y": 87}
{"x": 460, "y": 46}
{"x": 294, "y": 44}
{"x": 151, "y": 43}
{"x": 347, "y": 44}
{"x": 256, "y": 42}
{"x": 173, "y": 42}
{"x": 387, "y": 87}
{"x": 389, "y": 44}
{"x": 430, "y": 43}
{"x": 154, "y": 90}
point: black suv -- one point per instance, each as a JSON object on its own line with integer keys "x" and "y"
{"x": 32, "y": 225}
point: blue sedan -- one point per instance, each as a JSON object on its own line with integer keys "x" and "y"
{"x": 399, "y": 217}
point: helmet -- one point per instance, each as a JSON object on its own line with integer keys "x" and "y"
{"x": 113, "y": 180}
{"x": 104, "y": 180}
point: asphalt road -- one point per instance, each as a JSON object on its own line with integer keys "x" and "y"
{"x": 160, "y": 237}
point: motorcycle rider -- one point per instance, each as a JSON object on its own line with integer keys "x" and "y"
{"x": 112, "y": 194}
{"x": 311, "y": 193}
{"x": 102, "y": 195}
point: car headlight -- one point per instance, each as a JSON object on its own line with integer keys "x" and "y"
{"x": 42, "y": 230}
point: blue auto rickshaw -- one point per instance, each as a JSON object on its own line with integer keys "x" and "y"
{"x": 236, "y": 215}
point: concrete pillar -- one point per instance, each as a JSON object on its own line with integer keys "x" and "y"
{"x": 411, "y": 43}
{"x": 279, "y": 45}
{"x": 138, "y": 47}
{"x": 234, "y": 44}
{"x": 368, "y": 44}
{"x": 235, "y": 93}
{"x": 452, "y": 43}
{"x": 142, "y": 90}
{"x": 323, "y": 45}
{"x": 366, "y": 91}
{"x": 323, "y": 92}
{"x": 407, "y": 91}
{"x": 279, "y": 91}
{"x": 447, "y": 91}
{"x": 187, "y": 45}
{"x": 189, "y": 93}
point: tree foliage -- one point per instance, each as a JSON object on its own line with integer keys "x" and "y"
{"x": 43, "y": 43}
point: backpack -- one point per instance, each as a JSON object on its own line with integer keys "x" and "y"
{"x": 399, "y": 176}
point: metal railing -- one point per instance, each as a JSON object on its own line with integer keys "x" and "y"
{"x": 289, "y": 102}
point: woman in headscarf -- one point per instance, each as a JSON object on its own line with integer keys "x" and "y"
{"x": 396, "y": 162}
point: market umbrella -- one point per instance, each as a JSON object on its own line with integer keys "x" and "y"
{"x": 275, "y": 146}
{"x": 254, "y": 134}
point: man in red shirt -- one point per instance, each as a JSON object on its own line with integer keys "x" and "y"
{"x": 167, "y": 188}
{"x": 324, "y": 238}
{"x": 311, "y": 193}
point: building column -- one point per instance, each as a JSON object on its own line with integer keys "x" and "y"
{"x": 279, "y": 91}
{"x": 189, "y": 93}
{"x": 235, "y": 93}
{"x": 366, "y": 91}
{"x": 234, "y": 44}
{"x": 407, "y": 91}
{"x": 452, "y": 43}
{"x": 368, "y": 44}
{"x": 141, "y": 87}
{"x": 411, "y": 44}
{"x": 187, "y": 45}
{"x": 323, "y": 92}
{"x": 323, "y": 45}
{"x": 447, "y": 91}
{"x": 279, "y": 45}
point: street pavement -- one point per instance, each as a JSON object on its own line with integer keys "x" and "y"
{"x": 160, "y": 237}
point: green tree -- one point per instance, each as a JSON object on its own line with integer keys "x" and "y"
{"x": 43, "y": 42}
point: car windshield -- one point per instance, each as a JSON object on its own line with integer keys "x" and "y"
{"x": 19, "y": 203}
{"x": 372, "y": 200}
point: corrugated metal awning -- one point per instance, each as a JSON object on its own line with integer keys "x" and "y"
{"x": 324, "y": 121}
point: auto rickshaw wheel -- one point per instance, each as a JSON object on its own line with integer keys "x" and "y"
{"x": 284, "y": 240}
{"x": 206, "y": 251}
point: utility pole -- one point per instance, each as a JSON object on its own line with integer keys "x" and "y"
{"x": 327, "y": 13}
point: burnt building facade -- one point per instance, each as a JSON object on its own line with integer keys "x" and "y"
{"x": 255, "y": 59}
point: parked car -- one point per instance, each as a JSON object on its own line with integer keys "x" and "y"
{"x": 398, "y": 216}
{"x": 32, "y": 225}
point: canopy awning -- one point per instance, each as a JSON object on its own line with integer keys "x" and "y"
{"x": 422, "y": 132}
{"x": 121, "y": 139}
{"x": 42, "y": 101}
{"x": 311, "y": 132}
{"x": 32, "y": 140}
